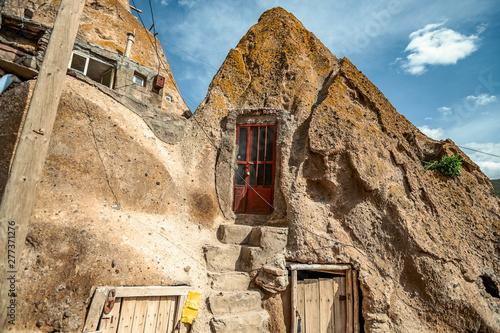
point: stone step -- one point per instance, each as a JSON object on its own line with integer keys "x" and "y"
{"x": 272, "y": 238}
{"x": 238, "y": 234}
{"x": 230, "y": 281}
{"x": 223, "y": 258}
{"x": 226, "y": 303}
{"x": 249, "y": 322}
{"x": 253, "y": 258}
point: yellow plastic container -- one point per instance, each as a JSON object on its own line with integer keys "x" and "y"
{"x": 190, "y": 309}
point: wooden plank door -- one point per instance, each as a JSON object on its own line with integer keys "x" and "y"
{"x": 256, "y": 162}
{"x": 326, "y": 305}
{"x": 301, "y": 312}
{"x": 339, "y": 304}
{"x": 127, "y": 315}
{"x": 312, "y": 310}
{"x": 109, "y": 322}
{"x": 152, "y": 314}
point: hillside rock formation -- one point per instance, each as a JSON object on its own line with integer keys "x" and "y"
{"x": 112, "y": 209}
{"x": 351, "y": 170}
{"x": 118, "y": 206}
{"x": 111, "y": 201}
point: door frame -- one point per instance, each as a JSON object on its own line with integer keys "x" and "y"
{"x": 227, "y": 152}
{"x": 352, "y": 294}
{"x": 252, "y": 191}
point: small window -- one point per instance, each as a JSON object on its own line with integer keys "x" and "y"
{"x": 28, "y": 13}
{"x": 168, "y": 98}
{"x": 97, "y": 70}
{"x": 79, "y": 63}
{"x": 139, "y": 79}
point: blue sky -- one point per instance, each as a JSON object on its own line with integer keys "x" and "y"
{"x": 436, "y": 61}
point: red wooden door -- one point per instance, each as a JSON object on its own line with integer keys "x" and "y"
{"x": 256, "y": 168}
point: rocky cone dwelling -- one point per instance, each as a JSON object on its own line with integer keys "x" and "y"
{"x": 361, "y": 236}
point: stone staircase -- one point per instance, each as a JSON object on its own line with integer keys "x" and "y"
{"x": 244, "y": 251}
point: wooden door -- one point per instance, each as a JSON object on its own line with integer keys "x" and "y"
{"x": 137, "y": 310}
{"x": 327, "y": 305}
{"x": 256, "y": 161}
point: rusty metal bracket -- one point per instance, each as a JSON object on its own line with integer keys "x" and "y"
{"x": 110, "y": 302}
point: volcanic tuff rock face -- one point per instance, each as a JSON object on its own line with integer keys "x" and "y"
{"x": 111, "y": 201}
{"x": 351, "y": 168}
{"x": 111, "y": 209}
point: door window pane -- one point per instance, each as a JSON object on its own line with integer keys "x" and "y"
{"x": 252, "y": 175}
{"x": 270, "y": 143}
{"x": 260, "y": 175}
{"x": 240, "y": 176}
{"x": 269, "y": 174}
{"x": 253, "y": 148}
{"x": 262, "y": 143}
{"x": 242, "y": 144}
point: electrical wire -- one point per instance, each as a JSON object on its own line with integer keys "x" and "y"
{"x": 192, "y": 56}
{"x": 154, "y": 31}
{"x": 478, "y": 151}
{"x": 160, "y": 61}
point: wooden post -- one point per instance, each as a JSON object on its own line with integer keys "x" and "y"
{"x": 96, "y": 307}
{"x": 349, "y": 310}
{"x": 27, "y": 165}
{"x": 293, "y": 317}
{"x": 356, "y": 300}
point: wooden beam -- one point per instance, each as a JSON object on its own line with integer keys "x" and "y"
{"x": 355, "y": 301}
{"x": 27, "y": 165}
{"x": 95, "y": 311}
{"x": 315, "y": 267}
{"x": 349, "y": 307}
{"x": 331, "y": 272}
{"x": 151, "y": 291}
{"x": 136, "y": 9}
{"x": 339, "y": 305}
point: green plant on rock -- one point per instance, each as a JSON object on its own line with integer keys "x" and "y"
{"x": 449, "y": 165}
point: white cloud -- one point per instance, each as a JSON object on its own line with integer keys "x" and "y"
{"x": 444, "y": 110}
{"x": 482, "y": 99}
{"x": 490, "y": 169}
{"x": 188, "y": 3}
{"x": 164, "y": 2}
{"x": 489, "y": 164}
{"x": 436, "y": 45}
{"x": 434, "y": 133}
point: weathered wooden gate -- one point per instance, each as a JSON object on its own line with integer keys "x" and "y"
{"x": 137, "y": 310}
{"x": 325, "y": 305}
